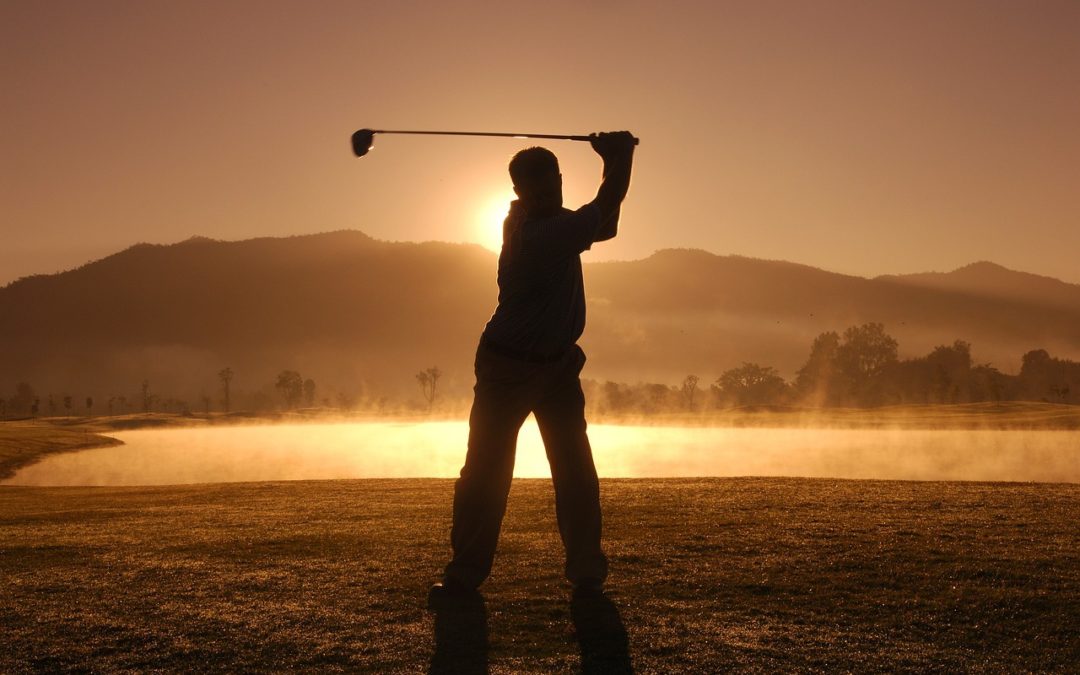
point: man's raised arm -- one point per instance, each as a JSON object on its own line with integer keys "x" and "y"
{"x": 616, "y": 148}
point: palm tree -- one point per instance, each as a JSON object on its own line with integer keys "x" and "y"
{"x": 689, "y": 390}
{"x": 429, "y": 382}
{"x": 147, "y": 397}
{"x": 226, "y": 376}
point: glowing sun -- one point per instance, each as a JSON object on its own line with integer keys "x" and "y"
{"x": 489, "y": 219}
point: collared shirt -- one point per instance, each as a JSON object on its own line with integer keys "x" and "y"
{"x": 541, "y": 293}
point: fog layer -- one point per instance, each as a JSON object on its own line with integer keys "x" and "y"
{"x": 437, "y": 449}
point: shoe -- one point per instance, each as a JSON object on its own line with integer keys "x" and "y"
{"x": 588, "y": 589}
{"x": 450, "y": 593}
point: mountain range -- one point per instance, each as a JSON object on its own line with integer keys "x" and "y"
{"x": 363, "y": 316}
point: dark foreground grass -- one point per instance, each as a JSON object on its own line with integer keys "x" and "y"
{"x": 707, "y": 575}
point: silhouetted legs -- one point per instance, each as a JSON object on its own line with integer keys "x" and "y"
{"x": 506, "y": 391}
{"x": 480, "y": 493}
{"x": 561, "y": 418}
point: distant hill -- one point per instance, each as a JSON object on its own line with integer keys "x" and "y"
{"x": 990, "y": 280}
{"x": 363, "y": 316}
{"x": 695, "y": 307}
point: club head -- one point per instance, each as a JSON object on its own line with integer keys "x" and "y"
{"x": 362, "y": 141}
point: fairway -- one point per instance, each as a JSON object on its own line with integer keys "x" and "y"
{"x": 707, "y": 575}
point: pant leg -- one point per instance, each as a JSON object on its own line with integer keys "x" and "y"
{"x": 500, "y": 405}
{"x": 560, "y": 414}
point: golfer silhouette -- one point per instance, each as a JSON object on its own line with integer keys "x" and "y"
{"x": 528, "y": 361}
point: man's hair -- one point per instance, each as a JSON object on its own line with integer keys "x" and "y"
{"x": 532, "y": 163}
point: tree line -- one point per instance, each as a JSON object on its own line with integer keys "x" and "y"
{"x": 859, "y": 368}
{"x": 289, "y": 390}
{"x": 26, "y": 402}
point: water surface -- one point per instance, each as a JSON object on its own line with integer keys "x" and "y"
{"x": 437, "y": 449}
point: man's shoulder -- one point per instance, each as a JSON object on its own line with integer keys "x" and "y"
{"x": 558, "y": 215}
{"x": 564, "y": 232}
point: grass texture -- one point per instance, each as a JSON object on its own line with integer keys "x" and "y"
{"x": 708, "y": 575}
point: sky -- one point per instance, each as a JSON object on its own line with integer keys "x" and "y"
{"x": 860, "y": 137}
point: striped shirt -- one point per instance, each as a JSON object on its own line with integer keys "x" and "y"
{"x": 541, "y": 307}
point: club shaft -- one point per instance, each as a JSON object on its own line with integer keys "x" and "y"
{"x": 562, "y": 137}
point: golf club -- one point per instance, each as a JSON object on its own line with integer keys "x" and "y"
{"x": 363, "y": 140}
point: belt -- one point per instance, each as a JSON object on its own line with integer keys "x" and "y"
{"x": 518, "y": 354}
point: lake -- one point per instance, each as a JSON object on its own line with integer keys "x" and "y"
{"x": 437, "y": 449}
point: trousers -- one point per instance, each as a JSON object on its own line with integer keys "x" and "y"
{"x": 506, "y": 391}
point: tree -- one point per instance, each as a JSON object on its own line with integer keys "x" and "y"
{"x": 656, "y": 397}
{"x": 815, "y": 381}
{"x": 89, "y": 405}
{"x": 750, "y": 384}
{"x": 346, "y": 401}
{"x": 1044, "y": 378}
{"x": 226, "y": 376}
{"x": 309, "y": 392}
{"x": 67, "y": 404}
{"x": 862, "y": 360}
{"x": 24, "y": 399}
{"x": 291, "y": 387}
{"x": 429, "y": 382}
{"x": 689, "y": 390}
{"x": 618, "y": 396}
{"x": 147, "y": 397}
{"x": 1036, "y": 374}
{"x": 988, "y": 383}
{"x": 950, "y": 372}
{"x": 1060, "y": 392}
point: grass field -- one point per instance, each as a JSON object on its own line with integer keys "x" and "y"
{"x": 707, "y": 575}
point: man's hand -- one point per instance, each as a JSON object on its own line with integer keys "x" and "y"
{"x": 613, "y": 144}
{"x": 617, "y": 150}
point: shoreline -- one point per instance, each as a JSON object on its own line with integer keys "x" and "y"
{"x": 23, "y": 443}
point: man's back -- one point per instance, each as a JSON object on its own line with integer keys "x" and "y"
{"x": 541, "y": 294}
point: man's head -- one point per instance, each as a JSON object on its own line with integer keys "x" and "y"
{"x": 537, "y": 181}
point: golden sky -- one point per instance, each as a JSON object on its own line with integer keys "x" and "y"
{"x": 861, "y": 137}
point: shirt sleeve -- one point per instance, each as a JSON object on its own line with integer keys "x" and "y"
{"x": 568, "y": 233}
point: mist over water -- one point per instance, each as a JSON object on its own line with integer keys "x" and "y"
{"x": 437, "y": 449}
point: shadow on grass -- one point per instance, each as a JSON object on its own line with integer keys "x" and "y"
{"x": 461, "y": 640}
{"x": 601, "y": 636}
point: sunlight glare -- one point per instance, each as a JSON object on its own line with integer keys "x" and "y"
{"x": 489, "y": 219}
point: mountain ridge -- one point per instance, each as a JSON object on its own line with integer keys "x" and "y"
{"x": 908, "y": 276}
{"x": 361, "y": 314}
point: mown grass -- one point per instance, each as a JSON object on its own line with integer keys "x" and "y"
{"x": 707, "y": 575}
